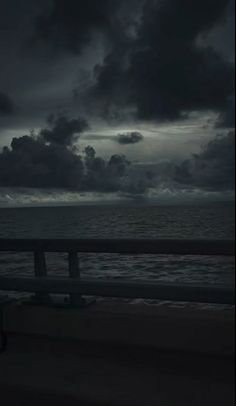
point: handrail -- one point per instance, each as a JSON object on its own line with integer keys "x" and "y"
{"x": 129, "y": 289}
{"x": 42, "y": 286}
{"x": 124, "y": 246}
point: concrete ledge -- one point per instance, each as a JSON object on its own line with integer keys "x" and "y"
{"x": 202, "y": 331}
{"x": 16, "y": 395}
{"x": 119, "y": 355}
{"x": 44, "y": 371}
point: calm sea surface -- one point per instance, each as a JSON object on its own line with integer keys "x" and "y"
{"x": 213, "y": 221}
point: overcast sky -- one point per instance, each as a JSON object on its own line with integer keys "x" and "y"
{"x": 151, "y": 80}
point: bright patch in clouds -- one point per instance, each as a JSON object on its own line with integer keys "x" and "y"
{"x": 164, "y": 194}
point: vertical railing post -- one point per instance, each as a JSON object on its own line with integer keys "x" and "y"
{"x": 74, "y": 273}
{"x": 40, "y": 270}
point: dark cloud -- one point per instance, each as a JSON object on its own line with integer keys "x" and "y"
{"x": 32, "y": 163}
{"x": 154, "y": 68}
{"x": 6, "y": 105}
{"x": 71, "y": 24}
{"x": 213, "y": 168}
{"x": 105, "y": 176}
{"x": 163, "y": 60}
{"x": 129, "y": 138}
{"x": 227, "y": 117}
{"x": 63, "y": 131}
{"x": 163, "y": 73}
{"x": 50, "y": 161}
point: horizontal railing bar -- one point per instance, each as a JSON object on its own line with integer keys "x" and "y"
{"x": 126, "y": 246}
{"x": 142, "y": 289}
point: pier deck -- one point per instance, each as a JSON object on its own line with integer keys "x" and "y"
{"x": 117, "y": 355}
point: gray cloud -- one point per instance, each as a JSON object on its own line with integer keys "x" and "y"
{"x": 162, "y": 61}
{"x": 48, "y": 160}
{"x": 63, "y": 131}
{"x": 154, "y": 68}
{"x": 163, "y": 73}
{"x": 70, "y": 25}
{"x": 213, "y": 168}
{"x": 129, "y": 138}
{"x": 6, "y": 105}
{"x": 227, "y": 118}
{"x": 37, "y": 161}
{"x": 157, "y": 68}
{"x": 102, "y": 175}
{"x": 32, "y": 163}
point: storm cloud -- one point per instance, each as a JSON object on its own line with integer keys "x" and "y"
{"x": 164, "y": 73}
{"x": 152, "y": 60}
{"x": 213, "y": 168}
{"x": 157, "y": 71}
{"x": 37, "y": 161}
{"x": 71, "y": 25}
{"x": 6, "y": 105}
{"x": 227, "y": 118}
{"x": 63, "y": 131}
{"x": 31, "y": 163}
{"x": 129, "y": 138}
{"x": 158, "y": 66}
{"x": 48, "y": 160}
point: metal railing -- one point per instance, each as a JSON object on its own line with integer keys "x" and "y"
{"x": 43, "y": 286}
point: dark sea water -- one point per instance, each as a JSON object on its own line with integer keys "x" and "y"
{"x": 208, "y": 221}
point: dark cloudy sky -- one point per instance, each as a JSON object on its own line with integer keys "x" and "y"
{"x": 147, "y": 84}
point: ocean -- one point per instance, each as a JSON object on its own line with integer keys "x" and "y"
{"x": 206, "y": 221}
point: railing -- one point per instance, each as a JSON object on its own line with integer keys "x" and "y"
{"x": 43, "y": 286}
